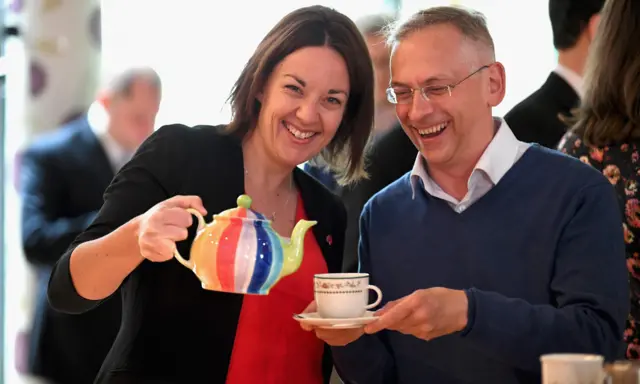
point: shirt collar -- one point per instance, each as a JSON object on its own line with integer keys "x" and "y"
{"x": 495, "y": 162}
{"x": 574, "y": 80}
{"x": 98, "y": 121}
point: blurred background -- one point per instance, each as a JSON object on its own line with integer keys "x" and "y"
{"x": 53, "y": 54}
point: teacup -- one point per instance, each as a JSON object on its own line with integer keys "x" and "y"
{"x": 623, "y": 372}
{"x": 573, "y": 368}
{"x": 344, "y": 295}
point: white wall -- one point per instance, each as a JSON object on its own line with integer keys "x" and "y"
{"x": 199, "y": 48}
{"x": 522, "y": 35}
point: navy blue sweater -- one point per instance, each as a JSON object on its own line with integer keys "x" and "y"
{"x": 541, "y": 257}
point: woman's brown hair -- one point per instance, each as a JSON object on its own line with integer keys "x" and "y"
{"x": 610, "y": 110}
{"x": 313, "y": 27}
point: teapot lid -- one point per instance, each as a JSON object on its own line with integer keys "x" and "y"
{"x": 243, "y": 210}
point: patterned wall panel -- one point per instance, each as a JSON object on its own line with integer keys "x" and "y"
{"x": 62, "y": 40}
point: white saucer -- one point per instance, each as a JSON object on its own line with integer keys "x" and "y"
{"x": 314, "y": 319}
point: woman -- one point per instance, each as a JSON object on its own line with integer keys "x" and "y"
{"x": 307, "y": 89}
{"x": 607, "y": 132}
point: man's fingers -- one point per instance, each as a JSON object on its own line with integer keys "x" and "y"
{"x": 386, "y": 308}
{"x": 339, "y": 337}
{"x": 312, "y": 307}
{"x": 391, "y": 317}
{"x": 307, "y": 327}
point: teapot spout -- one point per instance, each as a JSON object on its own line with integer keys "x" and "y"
{"x": 293, "y": 251}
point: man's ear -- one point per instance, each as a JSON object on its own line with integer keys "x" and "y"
{"x": 592, "y": 27}
{"x": 104, "y": 99}
{"x": 497, "y": 84}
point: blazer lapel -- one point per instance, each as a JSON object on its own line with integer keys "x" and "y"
{"x": 313, "y": 200}
{"x": 558, "y": 88}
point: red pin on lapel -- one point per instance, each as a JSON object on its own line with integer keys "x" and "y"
{"x": 329, "y": 240}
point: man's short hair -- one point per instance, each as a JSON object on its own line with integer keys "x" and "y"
{"x": 569, "y": 18}
{"x": 472, "y": 24}
{"x": 374, "y": 24}
{"x": 121, "y": 84}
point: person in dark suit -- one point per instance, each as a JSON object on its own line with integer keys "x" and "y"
{"x": 307, "y": 89}
{"x": 540, "y": 118}
{"x": 391, "y": 153}
{"x": 63, "y": 177}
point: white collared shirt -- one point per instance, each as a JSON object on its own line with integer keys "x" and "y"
{"x": 573, "y": 79}
{"x": 117, "y": 155}
{"x": 499, "y": 156}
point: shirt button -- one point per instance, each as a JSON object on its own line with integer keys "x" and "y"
{"x": 460, "y": 208}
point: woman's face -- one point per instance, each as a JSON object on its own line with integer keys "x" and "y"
{"x": 303, "y": 103}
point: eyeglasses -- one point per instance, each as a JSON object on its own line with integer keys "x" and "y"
{"x": 403, "y": 95}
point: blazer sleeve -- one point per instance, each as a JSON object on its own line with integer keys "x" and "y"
{"x": 152, "y": 175}
{"x": 45, "y": 235}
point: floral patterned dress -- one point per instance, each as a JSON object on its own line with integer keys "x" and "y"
{"x": 621, "y": 165}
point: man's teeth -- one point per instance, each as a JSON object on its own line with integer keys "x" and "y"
{"x": 297, "y": 133}
{"x": 433, "y": 129}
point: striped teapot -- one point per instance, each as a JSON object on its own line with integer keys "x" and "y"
{"x": 239, "y": 251}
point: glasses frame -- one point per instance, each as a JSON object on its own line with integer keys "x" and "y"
{"x": 440, "y": 90}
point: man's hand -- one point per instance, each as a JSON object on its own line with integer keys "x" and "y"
{"x": 425, "y": 314}
{"x": 334, "y": 337}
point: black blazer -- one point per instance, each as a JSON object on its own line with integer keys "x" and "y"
{"x": 62, "y": 178}
{"x": 536, "y": 118}
{"x": 173, "y": 331}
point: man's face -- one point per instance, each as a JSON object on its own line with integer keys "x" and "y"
{"x": 379, "y": 52}
{"x": 132, "y": 117}
{"x": 452, "y": 128}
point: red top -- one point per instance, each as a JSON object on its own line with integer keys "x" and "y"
{"x": 270, "y": 347}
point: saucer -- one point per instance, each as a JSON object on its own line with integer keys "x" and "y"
{"x": 313, "y": 318}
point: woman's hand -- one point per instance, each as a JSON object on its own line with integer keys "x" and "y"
{"x": 165, "y": 224}
{"x": 333, "y": 337}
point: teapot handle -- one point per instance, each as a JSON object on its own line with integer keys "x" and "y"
{"x": 201, "y": 224}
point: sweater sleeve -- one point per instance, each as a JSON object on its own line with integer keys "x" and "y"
{"x": 150, "y": 177}
{"x": 368, "y": 359}
{"x": 589, "y": 291}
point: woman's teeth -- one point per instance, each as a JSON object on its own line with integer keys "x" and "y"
{"x": 432, "y": 130}
{"x": 297, "y": 133}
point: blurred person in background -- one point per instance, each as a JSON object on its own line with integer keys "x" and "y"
{"x": 606, "y": 133}
{"x": 390, "y": 154}
{"x": 540, "y": 117}
{"x": 63, "y": 176}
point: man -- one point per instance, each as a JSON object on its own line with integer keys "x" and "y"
{"x": 542, "y": 117}
{"x": 491, "y": 252}
{"x": 63, "y": 176}
{"x": 391, "y": 153}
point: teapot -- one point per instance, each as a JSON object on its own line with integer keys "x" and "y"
{"x": 240, "y": 252}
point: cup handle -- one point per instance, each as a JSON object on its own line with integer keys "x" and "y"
{"x": 201, "y": 224}
{"x": 378, "y": 293}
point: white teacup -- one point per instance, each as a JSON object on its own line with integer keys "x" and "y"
{"x": 343, "y": 295}
{"x": 572, "y": 368}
